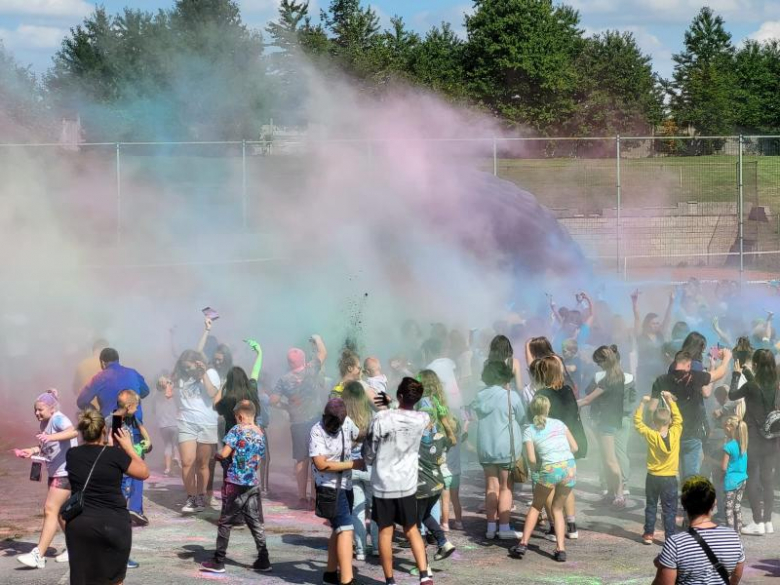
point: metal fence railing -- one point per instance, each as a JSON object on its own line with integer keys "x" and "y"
{"x": 631, "y": 202}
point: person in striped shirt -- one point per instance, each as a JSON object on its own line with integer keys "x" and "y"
{"x": 683, "y": 559}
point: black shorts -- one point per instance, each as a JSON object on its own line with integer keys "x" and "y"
{"x": 300, "y": 433}
{"x": 388, "y": 512}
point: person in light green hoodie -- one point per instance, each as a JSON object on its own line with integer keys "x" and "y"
{"x": 492, "y": 409}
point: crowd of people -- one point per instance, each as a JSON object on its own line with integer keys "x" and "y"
{"x": 376, "y": 449}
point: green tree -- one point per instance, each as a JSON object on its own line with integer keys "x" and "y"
{"x": 619, "y": 92}
{"x": 757, "y": 75}
{"x": 520, "y": 59}
{"x": 437, "y": 62}
{"x": 24, "y": 114}
{"x": 701, "y": 96}
{"x": 354, "y": 34}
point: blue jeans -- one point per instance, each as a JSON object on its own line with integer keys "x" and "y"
{"x": 690, "y": 457}
{"x": 361, "y": 488}
{"x": 133, "y": 490}
{"x": 664, "y": 488}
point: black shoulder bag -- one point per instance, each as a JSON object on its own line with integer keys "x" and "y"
{"x": 326, "y": 502}
{"x": 719, "y": 567}
{"x": 74, "y": 505}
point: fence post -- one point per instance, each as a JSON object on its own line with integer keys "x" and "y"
{"x": 118, "y": 196}
{"x": 243, "y": 185}
{"x": 741, "y": 210}
{"x": 619, "y": 196}
{"x": 495, "y": 157}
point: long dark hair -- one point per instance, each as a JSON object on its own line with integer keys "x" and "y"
{"x": 540, "y": 347}
{"x": 237, "y": 386}
{"x": 608, "y": 358}
{"x": 227, "y": 361}
{"x": 188, "y": 355}
{"x": 501, "y": 350}
{"x": 695, "y": 344}
{"x": 765, "y": 369}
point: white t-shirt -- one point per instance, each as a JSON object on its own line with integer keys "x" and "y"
{"x": 322, "y": 443}
{"x": 195, "y": 405}
{"x": 550, "y": 443}
{"x": 445, "y": 370}
{"x": 55, "y": 451}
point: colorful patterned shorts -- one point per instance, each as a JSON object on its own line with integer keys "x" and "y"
{"x": 562, "y": 473}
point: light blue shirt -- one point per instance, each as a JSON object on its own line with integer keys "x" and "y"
{"x": 492, "y": 409}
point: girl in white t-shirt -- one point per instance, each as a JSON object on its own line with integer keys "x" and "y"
{"x": 550, "y": 449}
{"x": 56, "y": 437}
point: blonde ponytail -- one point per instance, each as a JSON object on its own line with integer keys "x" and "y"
{"x": 540, "y": 409}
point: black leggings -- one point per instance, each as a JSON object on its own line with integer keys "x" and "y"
{"x": 762, "y": 454}
{"x": 424, "y": 518}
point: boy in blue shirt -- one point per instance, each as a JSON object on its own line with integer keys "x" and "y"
{"x": 243, "y": 451}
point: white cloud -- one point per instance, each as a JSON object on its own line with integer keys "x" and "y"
{"x": 46, "y": 7}
{"x": 767, "y": 31}
{"x": 27, "y": 36}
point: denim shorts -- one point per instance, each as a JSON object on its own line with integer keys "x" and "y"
{"x": 343, "y": 520}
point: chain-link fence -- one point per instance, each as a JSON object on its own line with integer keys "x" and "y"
{"x": 631, "y": 203}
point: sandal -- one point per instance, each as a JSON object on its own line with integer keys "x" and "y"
{"x": 518, "y": 551}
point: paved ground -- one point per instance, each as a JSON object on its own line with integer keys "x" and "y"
{"x": 608, "y": 550}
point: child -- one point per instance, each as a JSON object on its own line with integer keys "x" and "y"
{"x": 56, "y": 437}
{"x": 392, "y": 447}
{"x": 374, "y": 376}
{"x": 430, "y": 485}
{"x": 245, "y": 445}
{"x": 165, "y": 413}
{"x": 734, "y": 467}
{"x": 663, "y": 455}
{"x": 127, "y": 407}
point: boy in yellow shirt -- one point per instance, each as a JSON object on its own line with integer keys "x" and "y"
{"x": 663, "y": 455}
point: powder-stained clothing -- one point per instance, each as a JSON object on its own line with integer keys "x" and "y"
{"x": 663, "y": 453}
{"x": 56, "y": 451}
{"x": 107, "y": 385}
{"x": 492, "y": 409}
{"x": 336, "y": 447}
{"x": 302, "y": 392}
{"x": 433, "y": 454}
{"x": 248, "y": 451}
{"x": 392, "y": 448}
{"x": 195, "y": 405}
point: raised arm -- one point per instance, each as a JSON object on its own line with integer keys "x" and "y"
{"x": 206, "y": 331}
{"x": 637, "y": 317}
{"x": 639, "y": 416}
{"x": 668, "y": 314}
{"x": 719, "y": 372}
{"x": 258, "y": 365}
{"x": 591, "y": 308}
{"x": 721, "y": 334}
{"x": 319, "y": 348}
{"x": 735, "y": 391}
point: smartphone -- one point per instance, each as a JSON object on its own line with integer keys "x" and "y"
{"x": 715, "y": 352}
{"x": 117, "y": 420}
{"x": 210, "y": 313}
{"x": 36, "y": 470}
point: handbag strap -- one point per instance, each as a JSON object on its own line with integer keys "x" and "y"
{"x": 86, "y": 483}
{"x": 511, "y": 430}
{"x": 343, "y": 454}
{"x": 724, "y": 574}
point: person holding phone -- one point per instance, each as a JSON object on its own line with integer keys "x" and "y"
{"x": 57, "y": 436}
{"x": 104, "y": 523}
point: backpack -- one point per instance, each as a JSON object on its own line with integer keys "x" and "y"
{"x": 770, "y": 429}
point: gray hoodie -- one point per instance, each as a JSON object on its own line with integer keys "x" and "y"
{"x": 392, "y": 446}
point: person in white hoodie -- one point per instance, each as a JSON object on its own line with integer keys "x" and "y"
{"x": 391, "y": 447}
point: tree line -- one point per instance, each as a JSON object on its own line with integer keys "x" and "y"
{"x": 197, "y": 72}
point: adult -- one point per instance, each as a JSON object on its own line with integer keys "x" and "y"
{"x": 88, "y": 367}
{"x": 237, "y": 387}
{"x": 299, "y": 392}
{"x": 349, "y": 371}
{"x": 494, "y": 448}
{"x": 611, "y": 396}
{"x": 761, "y": 397}
{"x": 461, "y": 354}
{"x": 501, "y": 351}
{"x": 103, "y": 389}
{"x": 360, "y": 411}
{"x": 548, "y": 376}
{"x": 690, "y": 387}
{"x": 99, "y": 539}
{"x": 435, "y": 355}
{"x": 56, "y": 437}
{"x": 330, "y": 448}
{"x": 195, "y": 385}
{"x": 683, "y": 559}
{"x": 649, "y": 334}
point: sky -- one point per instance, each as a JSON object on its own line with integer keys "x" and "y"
{"x": 33, "y": 29}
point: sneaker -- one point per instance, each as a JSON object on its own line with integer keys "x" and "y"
{"x": 604, "y": 493}
{"x": 444, "y": 551}
{"x": 33, "y": 559}
{"x": 456, "y": 525}
{"x": 190, "y": 505}
{"x": 768, "y": 528}
{"x": 212, "y": 567}
{"x": 330, "y": 578}
{"x": 619, "y": 503}
{"x": 626, "y": 492}
{"x": 62, "y": 557}
{"x": 518, "y": 551}
{"x": 360, "y": 556}
{"x": 200, "y": 503}
{"x": 131, "y": 564}
{"x": 490, "y": 534}
{"x": 647, "y": 539}
{"x": 262, "y": 563}
{"x": 426, "y": 579}
{"x": 571, "y": 531}
{"x": 138, "y": 519}
{"x": 445, "y": 527}
{"x": 508, "y": 535}
{"x": 560, "y": 556}
{"x": 550, "y": 534}
{"x": 754, "y": 529}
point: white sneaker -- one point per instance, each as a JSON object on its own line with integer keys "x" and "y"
{"x": 490, "y": 534}
{"x": 361, "y": 556}
{"x": 754, "y": 529}
{"x": 62, "y": 557}
{"x": 33, "y": 559}
{"x": 200, "y": 503}
{"x": 190, "y": 505}
{"x": 768, "y": 528}
{"x": 508, "y": 535}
